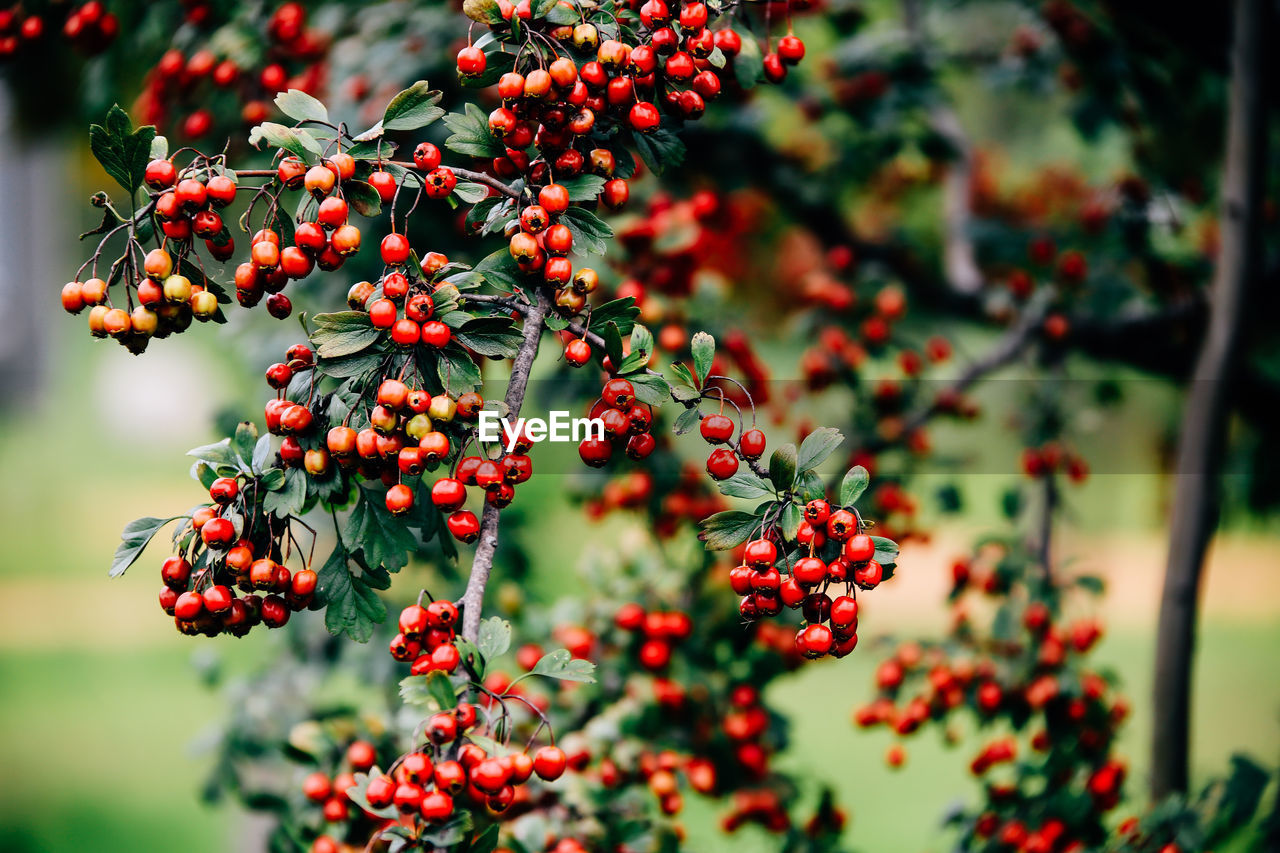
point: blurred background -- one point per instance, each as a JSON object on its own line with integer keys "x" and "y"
{"x": 99, "y": 695}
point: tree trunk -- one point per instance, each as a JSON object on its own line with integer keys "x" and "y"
{"x": 1206, "y": 416}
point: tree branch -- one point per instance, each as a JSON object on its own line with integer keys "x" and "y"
{"x": 1207, "y": 411}
{"x": 473, "y": 599}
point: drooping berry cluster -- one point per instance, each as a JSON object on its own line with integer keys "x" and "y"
{"x": 178, "y": 89}
{"x": 89, "y": 27}
{"x": 402, "y": 301}
{"x": 627, "y": 423}
{"x": 452, "y": 772}
{"x": 833, "y": 552}
{"x": 240, "y": 551}
{"x": 426, "y": 638}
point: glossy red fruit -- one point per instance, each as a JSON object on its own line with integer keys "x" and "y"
{"x": 814, "y": 641}
{"x": 426, "y": 156}
{"x": 549, "y": 763}
{"x": 436, "y": 807}
{"x": 716, "y": 428}
{"x": 554, "y": 198}
{"x": 471, "y": 61}
{"x": 644, "y": 116}
{"x": 869, "y": 576}
{"x": 790, "y": 49}
{"x": 384, "y": 183}
{"x": 752, "y": 444}
{"x": 722, "y": 463}
{"x": 760, "y": 553}
{"x": 464, "y": 526}
{"x": 395, "y": 249}
{"x": 859, "y": 548}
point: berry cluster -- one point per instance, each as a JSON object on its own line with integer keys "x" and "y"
{"x": 540, "y": 243}
{"x": 659, "y": 631}
{"x": 1030, "y": 674}
{"x": 718, "y": 429}
{"x": 89, "y": 27}
{"x": 325, "y": 242}
{"x": 833, "y": 550}
{"x": 402, "y": 301}
{"x": 236, "y": 553}
{"x": 627, "y": 424}
{"x": 330, "y": 792}
{"x": 185, "y": 206}
{"x": 453, "y": 773}
{"x": 1046, "y": 460}
{"x": 427, "y": 638}
{"x": 180, "y": 86}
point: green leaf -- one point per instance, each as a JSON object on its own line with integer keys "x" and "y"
{"x": 350, "y": 366}
{"x": 650, "y": 388}
{"x": 300, "y": 106}
{"x": 374, "y": 148}
{"x": 290, "y": 498}
{"x": 363, "y": 198}
{"x": 687, "y": 420}
{"x": 296, "y": 141}
{"x": 216, "y": 455}
{"x": 660, "y": 149}
{"x": 590, "y": 233}
{"x": 433, "y": 691}
{"x": 485, "y": 842}
{"x": 562, "y": 14}
{"x": 562, "y": 665}
{"x": 159, "y": 149}
{"x": 746, "y": 484}
{"x": 500, "y": 271}
{"x": 855, "y": 482}
{"x": 122, "y": 151}
{"x": 261, "y": 454}
{"x": 491, "y": 336}
{"x": 621, "y": 311}
{"x": 470, "y": 193}
{"x": 375, "y": 533}
{"x": 641, "y": 350}
{"x": 809, "y": 486}
{"x": 886, "y": 551}
{"x": 457, "y": 372}
{"x": 1091, "y": 583}
{"x": 704, "y": 351}
{"x": 728, "y": 529}
{"x": 683, "y": 375}
{"x": 471, "y": 136}
{"x": 789, "y": 520}
{"x": 748, "y": 65}
{"x": 414, "y": 108}
{"x": 494, "y": 638}
{"x": 782, "y": 466}
{"x": 343, "y": 333}
{"x": 352, "y": 607}
{"x": 583, "y": 187}
{"x": 612, "y": 341}
{"x": 817, "y": 446}
{"x": 245, "y": 443}
{"x": 274, "y": 479}
{"x": 134, "y": 539}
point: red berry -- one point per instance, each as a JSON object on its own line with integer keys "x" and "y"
{"x": 722, "y": 463}
{"x": 549, "y": 763}
{"x": 395, "y": 249}
{"x": 471, "y": 61}
{"x": 752, "y": 444}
